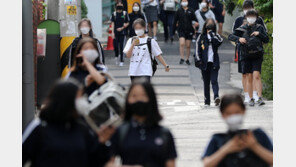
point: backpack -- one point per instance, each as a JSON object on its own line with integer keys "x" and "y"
{"x": 169, "y": 5}
{"x": 153, "y": 61}
{"x": 107, "y": 101}
{"x": 253, "y": 49}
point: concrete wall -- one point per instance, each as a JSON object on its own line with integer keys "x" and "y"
{"x": 95, "y": 15}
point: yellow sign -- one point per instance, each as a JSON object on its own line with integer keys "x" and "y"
{"x": 71, "y": 10}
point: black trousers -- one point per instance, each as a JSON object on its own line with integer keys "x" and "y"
{"x": 118, "y": 43}
{"x": 147, "y": 78}
{"x": 210, "y": 75}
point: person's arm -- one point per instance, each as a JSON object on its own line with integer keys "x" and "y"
{"x": 112, "y": 29}
{"x": 233, "y": 145}
{"x": 235, "y": 37}
{"x": 95, "y": 74}
{"x": 162, "y": 61}
{"x": 199, "y": 48}
{"x": 170, "y": 163}
{"x": 216, "y": 39}
{"x": 251, "y": 142}
{"x": 130, "y": 44}
{"x": 176, "y": 19}
{"x": 263, "y": 35}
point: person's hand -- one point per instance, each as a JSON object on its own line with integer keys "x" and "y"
{"x": 105, "y": 133}
{"x": 236, "y": 144}
{"x": 167, "y": 69}
{"x": 249, "y": 140}
{"x": 198, "y": 63}
{"x": 134, "y": 43}
{"x": 151, "y": 1}
{"x": 255, "y": 33}
{"x": 211, "y": 6}
{"x": 85, "y": 62}
{"x": 88, "y": 80}
{"x": 242, "y": 40}
{"x": 196, "y": 24}
{"x": 119, "y": 29}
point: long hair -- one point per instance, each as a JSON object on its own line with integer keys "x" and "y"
{"x": 59, "y": 106}
{"x": 204, "y": 29}
{"x": 154, "y": 117}
{"x": 91, "y": 34}
{"x": 79, "y": 47}
{"x": 140, "y": 8}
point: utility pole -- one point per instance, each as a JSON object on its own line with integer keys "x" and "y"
{"x": 27, "y": 63}
{"x": 69, "y": 17}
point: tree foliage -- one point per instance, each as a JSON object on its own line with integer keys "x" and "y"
{"x": 84, "y": 9}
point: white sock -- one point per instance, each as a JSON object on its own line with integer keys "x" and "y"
{"x": 247, "y": 97}
{"x": 255, "y": 95}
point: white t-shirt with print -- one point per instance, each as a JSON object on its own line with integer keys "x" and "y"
{"x": 140, "y": 61}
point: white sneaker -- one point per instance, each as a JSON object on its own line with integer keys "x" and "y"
{"x": 247, "y": 100}
{"x": 121, "y": 64}
{"x": 116, "y": 60}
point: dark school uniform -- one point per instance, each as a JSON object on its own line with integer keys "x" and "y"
{"x": 184, "y": 19}
{"x": 142, "y": 145}
{"x": 243, "y": 158}
{"x": 239, "y": 21}
{"x": 119, "y": 20}
{"x": 218, "y": 10}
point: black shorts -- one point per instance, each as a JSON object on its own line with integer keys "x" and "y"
{"x": 186, "y": 35}
{"x": 218, "y": 15}
{"x": 250, "y": 65}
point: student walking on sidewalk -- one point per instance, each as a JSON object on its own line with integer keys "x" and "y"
{"x": 142, "y": 51}
{"x": 184, "y": 22}
{"x": 251, "y": 38}
{"x": 120, "y": 22}
{"x": 207, "y": 45}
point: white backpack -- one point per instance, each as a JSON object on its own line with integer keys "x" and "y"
{"x": 169, "y": 5}
{"x": 107, "y": 101}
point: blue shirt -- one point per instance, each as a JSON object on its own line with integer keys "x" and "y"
{"x": 234, "y": 160}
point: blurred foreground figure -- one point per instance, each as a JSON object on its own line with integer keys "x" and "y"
{"x": 140, "y": 140}
{"x": 60, "y": 137}
{"x": 238, "y": 147}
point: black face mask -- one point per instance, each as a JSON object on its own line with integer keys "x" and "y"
{"x": 119, "y": 7}
{"x": 210, "y": 26}
{"x": 139, "y": 108}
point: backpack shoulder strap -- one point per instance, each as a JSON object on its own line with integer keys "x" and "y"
{"x": 149, "y": 46}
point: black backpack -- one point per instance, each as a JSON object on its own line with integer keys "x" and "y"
{"x": 253, "y": 49}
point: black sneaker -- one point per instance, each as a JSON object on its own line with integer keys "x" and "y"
{"x": 181, "y": 61}
{"x": 260, "y": 101}
{"x": 166, "y": 40}
{"x": 252, "y": 102}
{"x": 172, "y": 40}
{"x": 187, "y": 62}
{"x": 217, "y": 101}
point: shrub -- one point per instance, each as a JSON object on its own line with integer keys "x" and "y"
{"x": 267, "y": 66}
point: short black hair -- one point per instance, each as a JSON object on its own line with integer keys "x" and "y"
{"x": 248, "y": 4}
{"x": 154, "y": 117}
{"x": 252, "y": 12}
{"x": 229, "y": 99}
{"x": 59, "y": 106}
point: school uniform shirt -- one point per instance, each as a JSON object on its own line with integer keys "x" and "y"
{"x": 210, "y": 51}
{"x": 62, "y": 145}
{"x": 201, "y": 21}
{"x": 142, "y": 145}
{"x": 140, "y": 62}
{"x": 185, "y": 20}
{"x": 233, "y": 160}
{"x": 119, "y": 19}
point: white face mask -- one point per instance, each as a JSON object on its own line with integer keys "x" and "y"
{"x": 203, "y": 5}
{"x": 234, "y": 122}
{"x": 84, "y": 30}
{"x": 82, "y": 105}
{"x": 139, "y": 32}
{"x": 136, "y": 8}
{"x": 251, "y": 20}
{"x": 184, "y": 4}
{"x": 91, "y": 55}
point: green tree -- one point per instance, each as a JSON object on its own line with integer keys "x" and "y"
{"x": 84, "y": 9}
